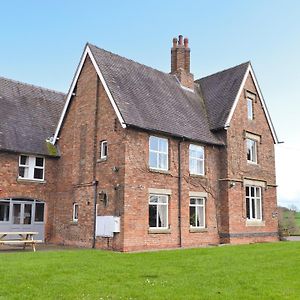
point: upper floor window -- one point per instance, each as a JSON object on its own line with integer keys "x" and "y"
{"x": 250, "y": 108}
{"x": 196, "y": 158}
{"x": 197, "y": 212}
{"x": 103, "y": 149}
{"x": 31, "y": 167}
{"x": 158, "y": 153}
{"x": 253, "y": 203}
{"x": 158, "y": 211}
{"x": 251, "y": 151}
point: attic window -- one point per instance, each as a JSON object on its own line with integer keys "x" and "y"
{"x": 103, "y": 150}
{"x": 250, "y": 108}
{"x": 31, "y": 167}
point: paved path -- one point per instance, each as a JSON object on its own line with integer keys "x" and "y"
{"x": 293, "y": 238}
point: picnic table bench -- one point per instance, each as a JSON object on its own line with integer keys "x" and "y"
{"x": 23, "y": 238}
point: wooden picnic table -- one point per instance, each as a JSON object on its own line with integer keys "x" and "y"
{"x": 24, "y": 238}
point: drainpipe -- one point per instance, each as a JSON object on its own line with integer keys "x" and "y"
{"x": 179, "y": 191}
{"x": 95, "y": 182}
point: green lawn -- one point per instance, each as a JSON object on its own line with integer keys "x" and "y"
{"x": 259, "y": 271}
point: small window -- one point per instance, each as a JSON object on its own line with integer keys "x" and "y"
{"x": 103, "y": 150}
{"x": 158, "y": 153}
{"x": 4, "y": 211}
{"x": 196, "y": 158}
{"x": 75, "y": 212}
{"x": 31, "y": 167}
{"x": 158, "y": 211}
{"x": 251, "y": 151}
{"x": 197, "y": 212}
{"x": 39, "y": 212}
{"x": 250, "y": 108}
{"x": 253, "y": 203}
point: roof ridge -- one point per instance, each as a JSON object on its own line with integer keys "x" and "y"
{"x": 32, "y": 85}
{"x": 130, "y": 60}
{"x": 224, "y": 70}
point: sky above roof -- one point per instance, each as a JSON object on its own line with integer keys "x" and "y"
{"x": 41, "y": 43}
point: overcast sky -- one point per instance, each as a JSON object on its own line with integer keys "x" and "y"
{"x": 41, "y": 43}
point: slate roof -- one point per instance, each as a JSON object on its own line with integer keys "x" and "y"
{"x": 28, "y": 115}
{"x": 154, "y": 100}
{"x": 219, "y": 91}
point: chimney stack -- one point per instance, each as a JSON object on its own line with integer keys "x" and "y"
{"x": 180, "y": 62}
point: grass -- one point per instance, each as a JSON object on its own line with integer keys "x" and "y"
{"x": 258, "y": 271}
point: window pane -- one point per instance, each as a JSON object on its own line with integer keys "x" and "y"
{"x": 153, "y": 199}
{"x": 39, "y": 161}
{"x": 153, "y": 159}
{"x": 192, "y": 201}
{"x": 200, "y": 216}
{"x": 17, "y": 213}
{"x": 192, "y": 216}
{"x": 163, "y": 145}
{"x": 162, "y": 211}
{"x": 252, "y": 191}
{"x": 253, "y": 149}
{"x": 250, "y": 109}
{"x": 257, "y": 192}
{"x": 23, "y": 172}
{"x": 38, "y": 173}
{"x": 248, "y": 208}
{"x": 253, "y": 208}
{"x": 153, "y": 143}
{"x": 163, "y": 163}
{"x": 258, "y": 208}
{"x": 152, "y": 215}
{"x": 4, "y": 211}
{"x": 199, "y": 167}
{"x": 24, "y": 160}
{"x": 199, "y": 201}
{"x": 27, "y": 213}
{"x": 39, "y": 212}
{"x": 247, "y": 190}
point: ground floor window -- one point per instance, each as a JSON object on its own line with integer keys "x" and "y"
{"x": 158, "y": 211}
{"x": 197, "y": 212}
{"x": 4, "y": 211}
{"x": 253, "y": 203}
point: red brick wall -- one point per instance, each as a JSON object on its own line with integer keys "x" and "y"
{"x": 12, "y": 187}
{"x": 239, "y": 169}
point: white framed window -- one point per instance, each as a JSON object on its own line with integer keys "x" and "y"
{"x": 103, "y": 149}
{"x": 250, "y": 108}
{"x": 158, "y": 153}
{"x": 251, "y": 151}
{"x": 4, "y": 211}
{"x": 31, "y": 167}
{"x": 196, "y": 159}
{"x": 197, "y": 212}
{"x": 253, "y": 203}
{"x": 75, "y": 212}
{"x": 158, "y": 211}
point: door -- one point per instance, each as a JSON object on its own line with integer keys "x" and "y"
{"x": 22, "y": 215}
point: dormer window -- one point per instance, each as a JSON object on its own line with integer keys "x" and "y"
{"x": 31, "y": 167}
{"x": 250, "y": 108}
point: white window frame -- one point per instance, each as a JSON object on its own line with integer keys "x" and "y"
{"x": 253, "y": 154}
{"x": 158, "y": 153}
{"x": 250, "y": 108}
{"x": 196, "y": 213}
{"x": 75, "y": 212}
{"x": 31, "y": 166}
{"x": 197, "y": 148}
{"x": 254, "y": 199}
{"x": 102, "y": 147}
{"x": 166, "y": 204}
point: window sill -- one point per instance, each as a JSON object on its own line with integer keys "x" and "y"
{"x": 159, "y": 230}
{"x": 255, "y": 223}
{"x": 249, "y": 162}
{"x": 30, "y": 180}
{"x": 198, "y": 176}
{"x": 194, "y": 229}
{"x": 166, "y": 172}
{"x": 73, "y": 223}
{"x": 101, "y": 159}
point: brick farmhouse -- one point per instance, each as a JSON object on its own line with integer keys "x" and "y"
{"x": 133, "y": 158}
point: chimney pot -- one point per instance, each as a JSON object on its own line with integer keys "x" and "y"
{"x": 180, "y": 40}
{"x": 174, "y": 42}
{"x": 186, "y": 42}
